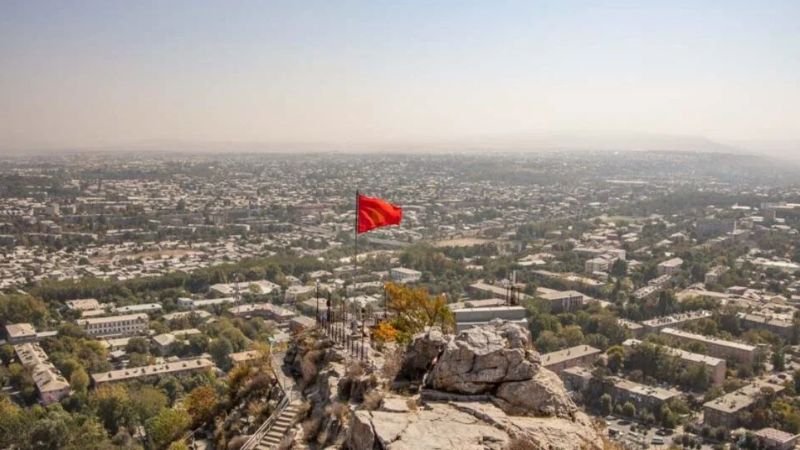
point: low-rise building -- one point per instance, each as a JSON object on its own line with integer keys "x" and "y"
{"x": 298, "y": 293}
{"x": 242, "y": 357}
{"x": 635, "y": 329}
{"x": 265, "y": 310}
{"x": 52, "y": 386}
{"x": 581, "y": 355}
{"x": 176, "y": 368}
{"x": 300, "y": 323}
{"x": 640, "y": 395}
{"x": 715, "y": 367}
{"x": 773, "y": 439}
{"x": 192, "y": 303}
{"x": 141, "y": 308}
{"x": 484, "y": 303}
{"x": 186, "y": 314}
{"x": 713, "y": 275}
{"x": 235, "y": 289}
{"x": 718, "y": 348}
{"x": 19, "y": 333}
{"x": 83, "y": 304}
{"x": 115, "y": 326}
{"x": 779, "y": 326}
{"x": 404, "y": 275}
{"x": 484, "y": 289}
{"x": 596, "y": 265}
{"x": 670, "y": 267}
{"x": 724, "y": 411}
{"x": 674, "y": 320}
{"x": 467, "y": 318}
{"x": 563, "y": 301}
{"x": 164, "y": 342}
{"x": 576, "y": 378}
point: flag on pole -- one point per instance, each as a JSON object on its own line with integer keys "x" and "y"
{"x": 375, "y": 213}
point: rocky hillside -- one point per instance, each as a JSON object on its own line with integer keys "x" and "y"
{"x": 483, "y": 388}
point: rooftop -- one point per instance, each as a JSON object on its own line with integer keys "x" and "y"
{"x": 155, "y": 369}
{"x": 677, "y": 318}
{"x": 113, "y": 319}
{"x": 83, "y": 304}
{"x": 644, "y": 390}
{"x": 708, "y": 339}
{"x": 567, "y": 354}
{"x": 741, "y": 398}
{"x": 18, "y": 330}
{"x": 683, "y": 354}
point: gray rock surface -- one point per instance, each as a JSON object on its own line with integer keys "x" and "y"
{"x": 465, "y": 426}
{"x": 424, "y": 348}
{"x": 542, "y": 395}
{"x": 480, "y": 358}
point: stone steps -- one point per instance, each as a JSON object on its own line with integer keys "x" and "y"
{"x": 280, "y": 427}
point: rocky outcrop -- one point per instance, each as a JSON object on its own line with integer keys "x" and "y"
{"x": 435, "y": 427}
{"x": 477, "y": 360}
{"x": 497, "y": 360}
{"x": 542, "y": 395}
{"x": 465, "y": 426}
{"x": 486, "y": 390}
{"x": 421, "y": 353}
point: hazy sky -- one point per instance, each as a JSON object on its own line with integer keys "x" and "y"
{"x": 108, "y": 72}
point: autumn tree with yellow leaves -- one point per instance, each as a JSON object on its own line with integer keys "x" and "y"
{"x": 412, "y": 310}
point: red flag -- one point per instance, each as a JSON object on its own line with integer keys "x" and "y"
{"x": 375, "y": 212}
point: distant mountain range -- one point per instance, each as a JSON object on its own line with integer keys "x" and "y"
{"x": 522, "y": 142}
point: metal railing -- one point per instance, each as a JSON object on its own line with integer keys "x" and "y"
{"x": 357, "y": 347}
{"x": 262, "y": 431}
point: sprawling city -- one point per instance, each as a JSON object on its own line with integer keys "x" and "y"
{"x": 547, "y": 300}
{"x": 407, "y": 225}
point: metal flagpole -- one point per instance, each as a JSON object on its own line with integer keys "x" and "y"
{"x": 355, "y": 256}
{"x": 355, "y": 259}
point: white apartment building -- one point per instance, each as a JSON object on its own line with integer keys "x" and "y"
{"x": 176, "y": 368}
{"x": 52, "y": 386}
{"x": 715, "y": 366}
{"x": 404, "y": 275}
{"x": 718, "y": 348}
{"x": 597, "y": 265}
{"x": 670, "y": 267}
{"x": 115, "y": 326}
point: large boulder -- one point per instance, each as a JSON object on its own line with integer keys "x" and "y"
{"x": 542, "y": 395}
{"x": 477, "y": 360}
{"x": 424, "y": 348}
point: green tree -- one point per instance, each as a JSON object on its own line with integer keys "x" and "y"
{"x": 6, "y": 354}
{"x": 167, "y": 426}
{"x": 620, "y": 268}
{"x": 606, "y": 404}
{"x": 572, "y": 335}
{"x": 113, "y": 407}
{"x": 147, "y": 401}
{"x": 220, "y": 349}
{"x": 16, "y": 308}
{"x": 616, "y": 356}
{"x": 49, "y": 432}
{"x": 628, "y": 409}
{"x": 79, "y": 380}
{"x": 138, "y": 345}
{"x": 548, "y": 342}
{"x": 778, "y": 360}
{"x": 14, "y": 424}
{"x": 796, "y": 378}
{"x": 90, "y": 435}
{"x": 201, "y": 403}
